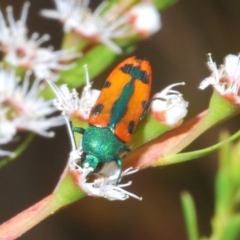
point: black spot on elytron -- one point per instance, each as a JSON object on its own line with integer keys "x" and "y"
{"x": 131, "y": 127}
{"x": 136, "y": 72}
{"x": 97, "y": 109}
{"x": 107, "y": 84}
{"x": 145, "y": 77}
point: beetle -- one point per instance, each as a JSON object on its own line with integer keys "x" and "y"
{"x": 113, "y": 119}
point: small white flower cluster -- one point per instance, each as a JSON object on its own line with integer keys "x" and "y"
{"x": 21, "y": 51}
{"x": 69, "y": 103}
{"x": 72, "y": 106}
{"x": 22, "y": 109}
{"x": 226, "y": 79}
{"x": 168, "y": 106}
{"x": 105, "y": 25}
{"x": 104, "y": 185}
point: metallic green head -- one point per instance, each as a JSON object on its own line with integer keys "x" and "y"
{"x": 90, "y": 161}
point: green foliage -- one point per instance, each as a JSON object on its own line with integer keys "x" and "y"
{"x": 189, "y": 216}
{"x": 97, "y": 60}
{"x": 162, "y": 4}
{"x": 226, "y": 219}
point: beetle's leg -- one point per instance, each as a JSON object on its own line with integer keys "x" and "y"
{"x": 126, "y": 149}
{"x": 146, "y": 106}
{"x": 119, "y": 163}
{"x": 78, "y": 130}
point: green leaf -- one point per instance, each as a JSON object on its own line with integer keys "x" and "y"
{"x": 162, "y": 4}
{"x": 234, "y": 166}
{"x": 189, "y": 216}
{"x": 224, "y": 193}
{"x": 182, "y": 157}
{"x": 148, "y": 129}
{"x": 225, "y": 151}
{"x": 232, "y": 229}
{"x": 97, "y": 60}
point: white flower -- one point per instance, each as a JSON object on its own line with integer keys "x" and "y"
{"x": 77, "y": 17}
{"x": 145, "y": 19}
{"x": 24, "y": 52}
{"x": 105, "y": 185}
{"x": 168, "y": 106}
{"x": 4, "y": 153}
{"x": 67, "y": 12}
{"x": 7, "y": 129}
{"x": 22, "y": 109}
{"x": 105, "y": 25}
{"x": 226, "y": 79}
{"x": 69, "y": 102}
{"x": 15, "y": 30}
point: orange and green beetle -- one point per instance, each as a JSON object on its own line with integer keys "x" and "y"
{"x": 114, "y": 117}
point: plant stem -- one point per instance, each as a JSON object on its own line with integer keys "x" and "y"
{"x": 66, "y": 193}
{"x": 25, "y": 220}
{"x": 17, "y": 152}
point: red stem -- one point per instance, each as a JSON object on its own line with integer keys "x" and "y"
{"x": 25, "y": 220}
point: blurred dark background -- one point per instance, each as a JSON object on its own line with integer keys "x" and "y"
{"x": 191, "y": 29}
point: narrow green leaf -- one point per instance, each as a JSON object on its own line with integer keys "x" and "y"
{"x": 232, "y": 230}
{"x": 189, "y": 216}
{"x": 182, "y": 157}
{"x": 97, "y": 60}
{"x": 225, "y": 151}
{"x": 234, "y": 167}
{"x": 224, "y": 193}
{"x": 18, "y": 151}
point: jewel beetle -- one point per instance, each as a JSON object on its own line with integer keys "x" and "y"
{"x": 114, "y": 117}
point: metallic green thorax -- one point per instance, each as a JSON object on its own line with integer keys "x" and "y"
{"x": 102, "y": 143}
